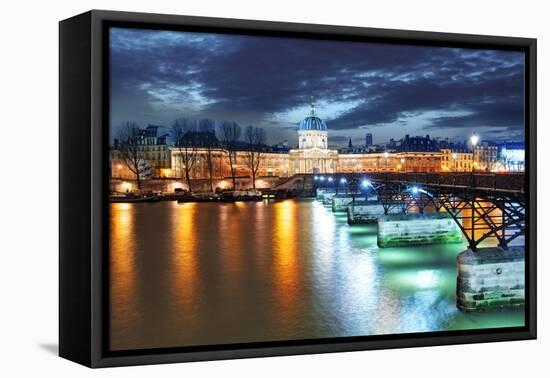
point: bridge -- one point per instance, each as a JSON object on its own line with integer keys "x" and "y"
{"x": 484, "y": 205}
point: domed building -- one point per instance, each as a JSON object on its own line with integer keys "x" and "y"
{"x": 312, "y": 132}
{"x": 313, "y": 155}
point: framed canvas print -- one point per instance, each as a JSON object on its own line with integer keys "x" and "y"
{"x": 233, "y": 188}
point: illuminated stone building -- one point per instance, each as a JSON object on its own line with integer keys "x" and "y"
{"x": 155, "y": 153}
{"x": 485, "y": 157}
{"x": 454, "y": 161}
{"x": 272, "y": 164}
{"x": 313, "y": 155}
{"x": 426, "y": 162}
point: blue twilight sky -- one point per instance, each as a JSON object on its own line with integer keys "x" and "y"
{"x": 387, "y": 90}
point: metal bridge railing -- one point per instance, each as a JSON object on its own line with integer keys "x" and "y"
{"x": 488, "y": 181}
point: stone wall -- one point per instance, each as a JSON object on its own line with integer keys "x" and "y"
{"x": 417, "y": 229}
{"x": 340, "y": 202}
{"x": 364, "y": 212}
{"x": 491, "y": 278}
{"x": 169, "y": 185}
{"x": 326, "y": 198}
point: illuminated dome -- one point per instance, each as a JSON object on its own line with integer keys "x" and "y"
{"x": 312, "y": 122}
{"x": 312, "y": 133}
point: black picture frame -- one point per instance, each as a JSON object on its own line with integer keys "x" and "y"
{"x": 83, "y": 182}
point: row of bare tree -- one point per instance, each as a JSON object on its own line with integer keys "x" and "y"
{"x": 191, "y": 136}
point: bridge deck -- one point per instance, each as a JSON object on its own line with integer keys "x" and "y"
{"x": 509, "y": 183}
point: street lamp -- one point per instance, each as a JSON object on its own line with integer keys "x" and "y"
{"x": 474, "y": 139}
{"x": 386, "y": 155}
{"x": 365, "y": 185}
{"x": 343, "y": 181}
{"x": 323, "y": 183}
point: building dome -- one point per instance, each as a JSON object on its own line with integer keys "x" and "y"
{"x": 312, "y": 122}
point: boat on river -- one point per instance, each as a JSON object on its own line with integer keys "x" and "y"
{"x": 136, "y": 197}
{"x": 240, "y": 195}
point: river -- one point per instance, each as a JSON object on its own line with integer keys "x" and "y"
{"x": 217, "y": 273}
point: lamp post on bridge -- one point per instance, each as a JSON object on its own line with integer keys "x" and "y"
{"x": 386, "y": 156}
{"x": 344, "y": 182}
{"x": 366, "y": 185}
{"x": 474, "y": 139}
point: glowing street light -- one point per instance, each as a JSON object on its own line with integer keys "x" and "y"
{"x": 343, "y": 180}
{"x": 330, "y": 179}
{"x": 386, "y": 155}
{"x": 415, "y": 190}
{"x": 474, "y": 139}
{"x": 365, "y": 183}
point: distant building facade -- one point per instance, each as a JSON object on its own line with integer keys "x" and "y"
{"x": 313, "y": 156}
{"x": 417, "y": 144}
{"x": 512, "y": 156}
{"x": 271, "y": 164}
{"x": 456, "y": 161}
{"x": 368, "y": 140}
{"x": 485, "y": 158}
{"x": 155, "y": 153}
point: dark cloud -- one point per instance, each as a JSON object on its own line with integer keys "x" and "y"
{"x": 157, "y": 76}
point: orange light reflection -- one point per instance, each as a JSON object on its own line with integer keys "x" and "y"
{"x": 185, "y": 255}
{"x": 285, "y": 249}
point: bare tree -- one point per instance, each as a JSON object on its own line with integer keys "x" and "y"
{"x": 208, "y": 142}
{"x": 184, "y": 133}
{"x": 230, "y": 135}
{"x": 131, "y": 150}
{"x": 255, "y": 137}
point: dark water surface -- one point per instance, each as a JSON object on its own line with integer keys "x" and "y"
{"x": 210, "y": 273}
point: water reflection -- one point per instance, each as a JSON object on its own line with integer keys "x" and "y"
{"x": 207, "y": 273}
{"x": 184, "y": 253}
{"x": 122, "y": 267}
{"x": 285, "y": 250}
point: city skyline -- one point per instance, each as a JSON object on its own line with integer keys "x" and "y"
{"x": 358, "y": 88}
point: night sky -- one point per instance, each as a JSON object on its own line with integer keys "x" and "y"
{"x": 387, "y": 90}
